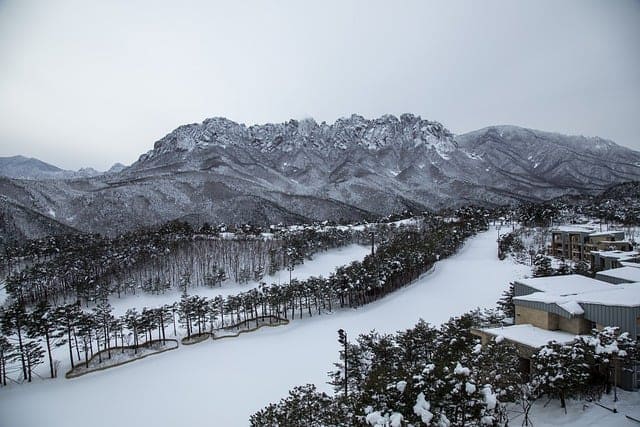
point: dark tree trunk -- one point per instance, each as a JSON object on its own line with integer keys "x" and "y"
{"x": 46, "y": 336}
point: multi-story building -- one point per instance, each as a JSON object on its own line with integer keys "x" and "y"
{"x": 559, "y": 308}
{"x": 576, "y": 242}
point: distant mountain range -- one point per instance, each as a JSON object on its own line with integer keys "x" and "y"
{"x": 222, "y": 171}
{"x": 21, "y": 167}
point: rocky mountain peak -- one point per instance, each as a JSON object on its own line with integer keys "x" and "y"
{"x": 345, "y": 133}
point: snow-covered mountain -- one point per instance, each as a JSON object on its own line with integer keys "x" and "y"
{"x": 21, "y": 167}
{"x": 355, "y": 168}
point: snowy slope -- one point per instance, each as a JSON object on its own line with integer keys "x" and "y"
{"x": 222, "y": 383}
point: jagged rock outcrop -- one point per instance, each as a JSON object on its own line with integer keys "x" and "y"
{"x": 222, "y": 171}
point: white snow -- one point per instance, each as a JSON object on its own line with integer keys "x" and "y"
{"x": 461, "y": 370}
{"x": 489, "y": 397}
{"x": 629, "y": 274}
{"x": 470, "y": 388}
{"x": 570, "y": 291}
{"x": 224, "y": 382}
{"x": 571, "y": 306}
{"x": 421, "y": 409}
{"x": 584, "y": 414}
{"x": 565, "y": 285}
{"x": 530, "y": 335}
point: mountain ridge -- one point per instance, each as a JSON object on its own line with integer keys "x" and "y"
{"x": 354, "y": 168}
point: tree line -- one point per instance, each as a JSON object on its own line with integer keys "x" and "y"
{"x": 30, "y": 334}
{"x": 445, "y": 377}
{"x": 90, "y": 267}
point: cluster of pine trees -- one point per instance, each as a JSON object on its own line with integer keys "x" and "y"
{"x": 91, "y": 267}
{"x": 406, "y": 254}
{"x": 444, "y": 377}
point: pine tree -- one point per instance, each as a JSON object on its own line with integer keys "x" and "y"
{"x": 561, "y": 370}
{"x": 506, "y": 302}
{"x": 103, "y": 314}
{"x": 304, "y": 406}
{"x": 132, "y": 321}
{"x": 581, "y": 267}
{"x": 542, "y": 266}
{"x": 42, "y": 322}
{"x": 66, "y": 317}
{"x": 7, "y": 355}
{"x": 14, "y": 321}
{"x": 34, "y": 355}
{"x": 86, "y": 326}
{"x": 563, "y": 268}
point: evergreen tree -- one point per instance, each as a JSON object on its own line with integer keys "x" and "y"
{"x": 34, "y": 355}
{"x": 542, "y": 266}
{"x": 304, "y": 406}
{"x": 581, "y": 267}
{"x": 132, "y": 320}
{"x": 561, "y": 370}
{"x": 7, "y": 355}
{"x": 66, "y": 317}
{"x": 42, "y": 323}
{"x": 563, "y": 268}
{"x": 103, "y": 315}
{"x": 506, "y": 302}
{"x": 14, "y": 321}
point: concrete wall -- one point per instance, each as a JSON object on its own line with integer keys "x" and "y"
{"x": 577, "y": 325}
{"x": 539, "y": 318}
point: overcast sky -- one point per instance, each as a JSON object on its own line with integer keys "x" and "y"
{"x": 87, "y": 83}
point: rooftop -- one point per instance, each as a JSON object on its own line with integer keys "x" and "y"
{"x": 565, "y": 285}
{"x": 530, "y": 335}
{"x": 629, "y": 274}
{"x": 617, "y": 254}
{"x": 628, "y": 263}
{"x": 574, "y": 229}
{"x": 627, "y": 295}
{"x": 605, "y": 233}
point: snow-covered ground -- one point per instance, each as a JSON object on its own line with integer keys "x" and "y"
{"x": 223, "y": 382}
{"x": 322, "y": 264}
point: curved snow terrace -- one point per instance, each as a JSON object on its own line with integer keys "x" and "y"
{"x": 322, "y": 264}
{"x": 224, "y": 382}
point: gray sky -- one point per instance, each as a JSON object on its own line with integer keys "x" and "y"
{"x": 87, "y": 83}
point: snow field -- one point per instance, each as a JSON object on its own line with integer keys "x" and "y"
{"x": 224, "y": 382}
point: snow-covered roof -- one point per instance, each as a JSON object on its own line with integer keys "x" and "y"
{"x": 530, "y": 335}
{"x": 629, "y": 274}
{"x": 617, "y": 254}
{"x": 565, "y": 285}
{"x": 574, "y": 229}
{"x": 625, "y": 295}
{"x": 605, "y": 233}
{"x": 630, "y": 264}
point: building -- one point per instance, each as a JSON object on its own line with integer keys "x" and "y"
{"x": 576, "y": 242}
{"x": 558, "y": 308}
{"x": 620, "y": 275}
{"x": 606, "y": 260}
